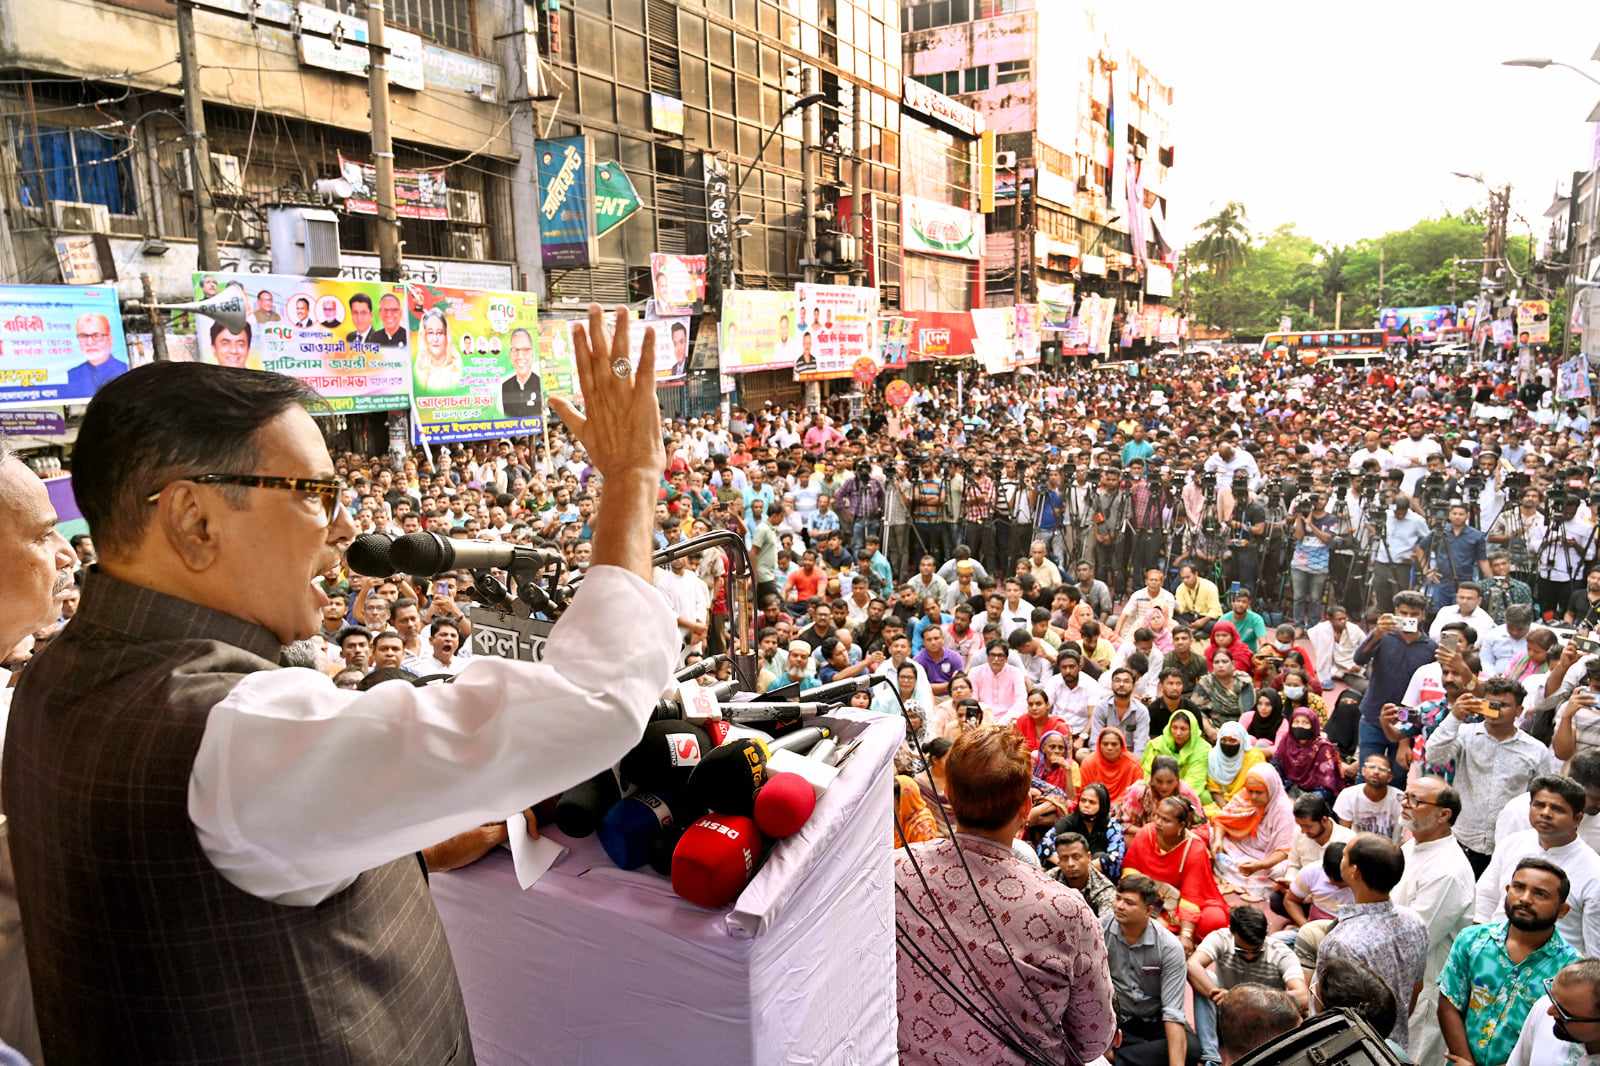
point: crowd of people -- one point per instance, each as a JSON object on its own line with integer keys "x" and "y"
{"x": 1234, "y": 691}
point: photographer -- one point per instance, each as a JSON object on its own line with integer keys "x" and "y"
{"x": 928, "y": 497}
{"x": 1248, "y": 526}
{"x": 1562, "y": 550}
{"x": 1400, "y": 547}
{"x": 861, "y": 498}
{"x": 1460, "y": 553}
{"x": 979, "y": 510}
{"x": 1312, "y": 530}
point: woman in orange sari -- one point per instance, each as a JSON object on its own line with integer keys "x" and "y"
{"x": 913, "y": 821}
{"x": 1177, "y": 861}
{"x": 1111, "y": 765}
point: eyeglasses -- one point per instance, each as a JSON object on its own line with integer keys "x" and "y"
{"x": 1561, "y": 1012}
{"x": 1407, "y": 800}
{"x": 329, "y": 490}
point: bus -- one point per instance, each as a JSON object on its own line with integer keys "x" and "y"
{"x": 1311, "y": 345}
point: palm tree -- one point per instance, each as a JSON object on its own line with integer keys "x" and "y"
{"x": 1224, "y": 239}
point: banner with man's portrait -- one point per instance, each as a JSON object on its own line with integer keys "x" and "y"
{"x": 58, "y": 343}
{"x": 347, "y": 340}
{"x": 836, "y": 330}
{"x": 475, "y": 365}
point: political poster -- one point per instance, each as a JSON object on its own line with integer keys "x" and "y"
{"x": 1502, "y": 332}
{"x": 895, "y": 334}
{"x": 1416, "y": 323}
{"x": 346, "y": 340}
{"x": 837, "y": 327}
{"x": 1572, "y": 383}
{"x": 1096, "y": 314}
{"x": 678, "y": 282}
{"x": 757, "y": 329}
{"x": 58, "y": 343}
{"x": 1055, "y": 305}
{"x": 934, "y": 228}
{"x": 1027, "y": 347}
{"x": 475, "y": 367}
{"x": 33, "y": 423}
{"x": 417, "y": 193}
{"x": 1533, "y": 322}
{"x": 672, "y": 350}
{"x": 566, "y": 210}
{"x": 995, "y": 338}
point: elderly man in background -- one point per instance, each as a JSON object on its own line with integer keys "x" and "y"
{"x": 35, "y": 574}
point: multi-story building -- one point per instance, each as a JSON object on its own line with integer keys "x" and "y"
{"x": 1083, "y": 140}
{"x": 733, "y": 68}
{"x": 92, "y": 135}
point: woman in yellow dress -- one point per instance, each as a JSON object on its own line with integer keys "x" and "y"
{"x": 1229, "y": 765}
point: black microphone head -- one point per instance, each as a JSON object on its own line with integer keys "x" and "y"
{"x": 368, "y": 555}
{"x": 421, "y": 553}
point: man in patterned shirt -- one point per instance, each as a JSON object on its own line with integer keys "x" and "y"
{"x": 1496, "y": 971}
{"x": 1049, "y": 933}
{"x": 1392, "y": 941}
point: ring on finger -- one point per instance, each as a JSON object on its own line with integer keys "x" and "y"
{"x": 620, "y": 367}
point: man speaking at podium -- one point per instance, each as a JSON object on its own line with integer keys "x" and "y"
{"x": 215, "y": 857}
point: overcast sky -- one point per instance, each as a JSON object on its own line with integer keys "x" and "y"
{"x": 1347, "y": 119}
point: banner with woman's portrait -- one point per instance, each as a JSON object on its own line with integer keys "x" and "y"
{"x": 475, "y": 363}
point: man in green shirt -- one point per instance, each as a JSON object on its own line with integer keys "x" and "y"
{"x": 1251, "y": 626}
{"x": 764, "y": 554}
{"x": 1495, "y": 972}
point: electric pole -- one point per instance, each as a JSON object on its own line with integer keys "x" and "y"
{"x": 808, "y": 178}
{"x": 1338, "y": 309}
{"x": 382, "y": 146}
{"x": 194, "y": 114}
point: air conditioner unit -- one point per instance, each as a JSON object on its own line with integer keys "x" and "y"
{"x": 1005, "y": 160}
{"x": 305, "y": 240}
{"x": 227, "y": 173}
{"x": 232, "y": 227}
{"x": 466, "y": 206}
{"x": 466, "y": 244}
{"x": 82, "y": 218}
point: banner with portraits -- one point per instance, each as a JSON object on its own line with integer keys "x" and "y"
{"x": 1056, "y": 303}
{"x": 757, "y": 329}
{"x": 346, "y": 340}
{"x": 1533, "y": 322}
{"x": 672, "y": 348}
{"x": 895, "y": 334}
{"x": 475, "y": 367}
{"x": 678, "y": 282}
{"x": 837, "y": 327}
{"x": 58, "y": 343}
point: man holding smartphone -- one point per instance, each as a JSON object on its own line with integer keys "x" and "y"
{"x": 1391, "y": 654}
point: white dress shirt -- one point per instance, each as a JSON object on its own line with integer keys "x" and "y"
{"x": 1072, "y": 705}
{"x": 1411, "y": 456}
{"x": 1489, "y": 774}
{"x": 1479, "y": 620}
{"x": 1333, "y": 652}
{"x": 298, "y": 786}
{"x": 428, "y": 666}
{"x": 1539, "y": 1046}
{"x": 1513, "y": 818}
{"x": 1581, "y": 925}
{"x": 1361, "y": 455}
{"x": 1438, "y": 886}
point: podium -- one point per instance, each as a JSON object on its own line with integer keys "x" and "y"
{"x": 596, "y": 966}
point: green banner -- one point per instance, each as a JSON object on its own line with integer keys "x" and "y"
{"x": 615, "y": 198}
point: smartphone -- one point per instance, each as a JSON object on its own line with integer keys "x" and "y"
{"x": 1406, "y": 625}
{"x": 444, "y": 588}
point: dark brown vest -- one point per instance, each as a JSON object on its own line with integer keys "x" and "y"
{"x": 140, "y": 952}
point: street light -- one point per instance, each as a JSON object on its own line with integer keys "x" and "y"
{"x": 1540, "y": 64}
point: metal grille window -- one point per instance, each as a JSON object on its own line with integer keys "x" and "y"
{"x": 446, "y": 22}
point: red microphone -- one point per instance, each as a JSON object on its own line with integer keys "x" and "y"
{"x": 715, "y": 859}
{"x": 784, "y": 804}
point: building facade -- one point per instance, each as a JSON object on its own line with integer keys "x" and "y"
{"x": 1083, "y": 141}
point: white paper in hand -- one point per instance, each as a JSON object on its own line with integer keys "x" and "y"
{"x": 530, "y": 856}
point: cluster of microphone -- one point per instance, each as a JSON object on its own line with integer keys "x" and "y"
{"x": 701, "y": 800}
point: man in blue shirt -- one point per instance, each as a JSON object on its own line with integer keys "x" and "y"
{"x": 1462, "y": 554}
{"x": 1405, "y": 533}
{"x": 1397, "y": 646}
{"x": 1138, "y": 447}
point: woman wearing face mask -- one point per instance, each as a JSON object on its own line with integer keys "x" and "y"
{"x": 1308, "y": 761}
{"x": 1182, "y": 740}
{"x": 1344, "y": 723}
{"x": 1295, "y": 684}
{"x": 1228, "y": 766}
{"x": 1257, "y": 829}
{"x": 1093, "y": 819}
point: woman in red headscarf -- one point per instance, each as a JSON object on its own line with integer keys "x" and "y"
{"x": 1231, "y": 645}
{"x": 1111, "y": 764}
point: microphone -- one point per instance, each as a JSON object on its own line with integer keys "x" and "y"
{"x": 773, "y": 712}
{"x": 666, "y": 755}
{"x": 704, "y": 666}
{"x": 427, "y": 554}
{"x": 834, "y": 692}
{"x": 368, "y": 555}
{"x": 729, "y": 775}
{"x": 824, "y": 750}
{"x": 801, "y": 741}
{"x": 581, "y": 807}
{"x": 715, "y": 859}
{"x": 632, "y": 827}
{"x": 784, "y": 804}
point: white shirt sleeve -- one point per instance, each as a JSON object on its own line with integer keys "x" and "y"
{"x": 299, "y": 786}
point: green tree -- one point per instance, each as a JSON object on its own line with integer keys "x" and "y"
{"x": 1225, "y": 240}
